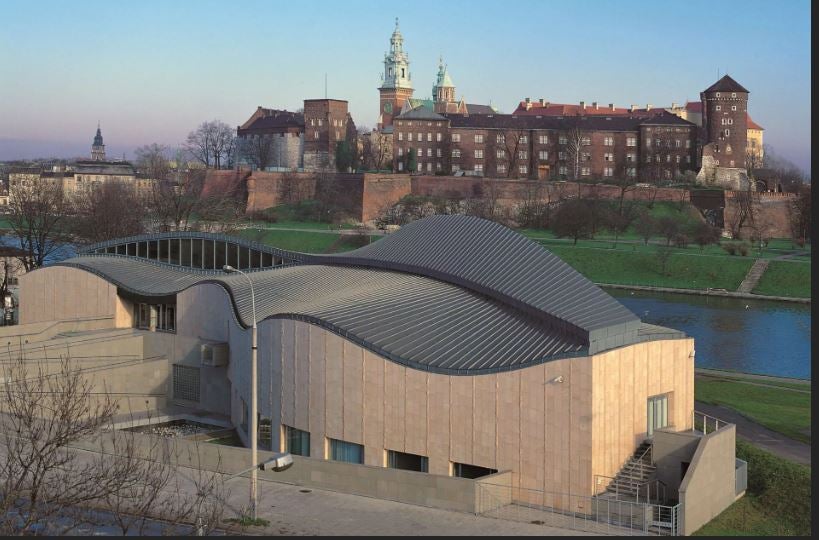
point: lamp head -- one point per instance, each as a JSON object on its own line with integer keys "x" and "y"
{"x": 228, "y": 269}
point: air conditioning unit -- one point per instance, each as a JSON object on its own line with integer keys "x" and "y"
{"x": 214, "y": 354}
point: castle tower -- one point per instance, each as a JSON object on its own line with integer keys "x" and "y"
{"x": 396, "y": 84}
{"x": 98, "y": 149}
{"x": 443, "y": 90}
{"x": 724, "y": 120}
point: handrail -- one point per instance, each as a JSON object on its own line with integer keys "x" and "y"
{"x": 695, "y": 413}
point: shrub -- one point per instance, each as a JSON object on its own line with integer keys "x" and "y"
{"x": 743, "y": 249}
{"x": 730, "y": 248}
{"x": 681, "y": 240}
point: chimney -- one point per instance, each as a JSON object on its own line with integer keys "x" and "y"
{"x": 542, "y": 101}
{"x": 528, "y": 100}
{"x": 633, "y": 108}
{"x": 611, "y": 106}
{"x": 583, "y": 105}
{"x": 528, "y": 105}
{"x": 648, "y": 106}
{"x": 594, "y": 104}
{"x": 673, "y": 105}
{"x": 546, "y": 104}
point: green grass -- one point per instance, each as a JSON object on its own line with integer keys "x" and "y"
{"x": 305, "y": 242}
{"x": 777, "y": 501}
{"x": 785, "y": 278}
{"x": 635, "y": 267}
{"x": 780, "y": 410}
{"x": 247, "y": 521}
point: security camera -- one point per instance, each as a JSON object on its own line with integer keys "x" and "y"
{"x": 277, "y": 463}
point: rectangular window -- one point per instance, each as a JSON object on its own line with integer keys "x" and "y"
{"x": 688, "y": 143}
{"x": 648, "y": 143}
{"x": 186, "y": 382}
{"x": 677, "y": 143}
{"x": 501, "y": 168}
{"x": 400, "y": 135}
{"x": 678, "y": 159}
{"x": 522, "y": 169}
{"x": 478, "y": 138}
{"x": 296, "y": 441}
{"x": 479, "y": 154}
{"x": 608, "y": 157}
{"x": 456, "y": 153}
{"x": 522, "y": 154}
{"x": 631, "y": 172}
{"x": 456, "y": 137}
{"x": 668, "y": 158}
{"x": 437, "y": 152}
{"x": 608, "y": 171}
{"x": 420, "y": 136}
{"x": 585, "y": 171}
{"x": 429, "y": 166}
{"x": 688, "y": 159}
{"x": 400, "y": 165}
{"x": 500, "y": 154}
{"x": 429, "y": 152}
{"x": 429, "y": 136}
{"x": 585, "y": 156}
{"x": 438, "y": 136}
{"x": 543, "y": 139}
{"x": 608, "y": 141}
{"x": 658, "y": 142}
{"x": 456, "y": 167}
{"x": 543, "y": 155}
{"x": 561, "y": 155}
{"x": 463, "y": 470}
{"x": 631, "y": 158}
{"x": 407, "y": 462}
{"x": 346, "y": 451}
{"x": 479, "y": 168}
{"x": 438, "y": 165}
{"x": 400, "y": 151}
{"x": 585, "y": 141}
{"x": 562, "y": 140}
{"x": 409, "y": 136}
{"x": 524, "y": 139}
{"x": 564, "y": 170}
{"x": 501, "y": 138}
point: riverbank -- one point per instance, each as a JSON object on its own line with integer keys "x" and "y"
{"x": 706, "y": 292}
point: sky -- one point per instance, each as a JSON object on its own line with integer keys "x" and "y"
{"x": 151, "y": 71}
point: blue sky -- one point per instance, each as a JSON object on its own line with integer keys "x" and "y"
{"x": 152, "y": 70}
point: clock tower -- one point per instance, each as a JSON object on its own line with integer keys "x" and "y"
{"x": 396, "y": 83}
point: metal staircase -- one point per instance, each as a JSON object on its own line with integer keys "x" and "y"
{"x": 635, "y": 477}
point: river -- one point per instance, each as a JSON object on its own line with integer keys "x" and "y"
{"x": 753, "y": 336}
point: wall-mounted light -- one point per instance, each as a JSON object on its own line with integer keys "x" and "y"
{"x": 692, "y": 353}
{"x": 558, "y": 379}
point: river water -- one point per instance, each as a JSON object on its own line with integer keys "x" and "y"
{"x": 752, "y": 336}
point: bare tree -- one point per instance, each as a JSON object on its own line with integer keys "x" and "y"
{"x": 744, "y": 212}
{"x": 576, "y": 141}
{"x": 573, "y": 219}
{"x": 47, "y": 486}
{"x": 153, "y": 160}
{"x": 257, "y": 149}
{"x": 213, "y": 144}
{"x": 111, "y": 210}
{"x": 510, "y": 144}
{"x": 172, "y": 202}
{"x": 799, "y": 214}
{"x": 37, "y": 218}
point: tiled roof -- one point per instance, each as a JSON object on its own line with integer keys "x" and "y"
{"x": 592, "y": 122}
{"x": 751, "y": 124}
{"x": 565, "y": 109}
{"x": 275, "y": 119}
{"x": 474, "y": 108}
{"x": 421, "y": 112}
{"x": 726, "y": 84}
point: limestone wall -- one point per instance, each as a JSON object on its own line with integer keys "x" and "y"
{"x": 771, "y": 212}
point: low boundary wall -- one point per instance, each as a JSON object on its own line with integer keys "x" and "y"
{"x": 410, "y": 487}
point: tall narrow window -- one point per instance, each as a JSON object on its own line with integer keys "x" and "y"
{"x": 296, "y": 441}
{"x": 657, "y": 413}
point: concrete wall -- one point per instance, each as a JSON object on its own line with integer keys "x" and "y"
{"x": 623, "y": 379}
{"x": 709, "y": 485}
{"x": 671, "y": 449}
{"x": 62, "y": 293}
{"x": 445, "y": 492}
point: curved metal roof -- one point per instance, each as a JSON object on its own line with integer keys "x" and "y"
{"x": 486, "y": 258}
{"x": 412, "y": 320}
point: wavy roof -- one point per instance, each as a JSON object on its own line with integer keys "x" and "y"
{"x": 452, "y": 294}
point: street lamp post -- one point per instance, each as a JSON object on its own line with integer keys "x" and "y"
{"x": 253, "y": 391}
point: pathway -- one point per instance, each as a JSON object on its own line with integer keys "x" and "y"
{"x": 773, "y": 442}
{"x": 753, "y": 276}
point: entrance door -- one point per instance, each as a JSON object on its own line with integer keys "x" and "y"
{"x": 657, "y": 413}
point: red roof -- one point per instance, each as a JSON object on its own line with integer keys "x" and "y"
{"x": 564, "y": 109}
{"x": 751, "y": 124}
{"x": 693, "y": 106}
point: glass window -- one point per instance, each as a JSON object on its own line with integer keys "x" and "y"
{"x": 267, "y": 260}
{"x": 143, "y": 250}
{"x": 255, "y": 258}
{"x": 131, "y": 250}
{"x": 463, "y": 470}
{"x": 153, "y": 250}
{"x": 196, "y": 253}
{"x": 208, "y": 254}
{"x": 232, "y": 255}
{"x": 657, "y": 413}
{"x": 407, "y": 462}
{"x": 174, "y": 250}
{"x": 163, "y": 250}
{"x": 244, "y": 257}
{"x": 185, "y": 252}
{"x": 456, "y": 137}
{"x": 296, "y": 441}
{"x": 346, "y": 451}
{"x": 121, "y": 249}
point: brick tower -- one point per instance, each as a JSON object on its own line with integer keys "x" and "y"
{"x": 396, "y": 83}
{"x": 725, "y": 133}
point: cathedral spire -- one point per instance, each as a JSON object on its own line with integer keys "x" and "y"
{"x": 98, "y": 148}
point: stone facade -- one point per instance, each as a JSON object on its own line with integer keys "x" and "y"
{"x": 327, "y": 123}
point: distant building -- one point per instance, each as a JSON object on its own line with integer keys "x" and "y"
{"x": 82, "y": 176}
{"x": 272, "y": 138}
{"x": 326, "y": 123}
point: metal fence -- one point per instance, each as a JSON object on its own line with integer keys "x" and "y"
{"x": 741, "y": 476}
{"x": 601, "y": 514}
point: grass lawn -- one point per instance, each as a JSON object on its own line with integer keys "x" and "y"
{"x": 784, "y": 411}
{"x": 305, "y": 242}
{"x": 632, "y": 267}
{"x": 777, "y": 501}
{"x": 785, "y": 278}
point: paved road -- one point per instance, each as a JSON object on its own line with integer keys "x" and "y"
{"x": 766, "y": 439}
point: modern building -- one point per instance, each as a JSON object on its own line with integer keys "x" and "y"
{"x": 454, "y": 347}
